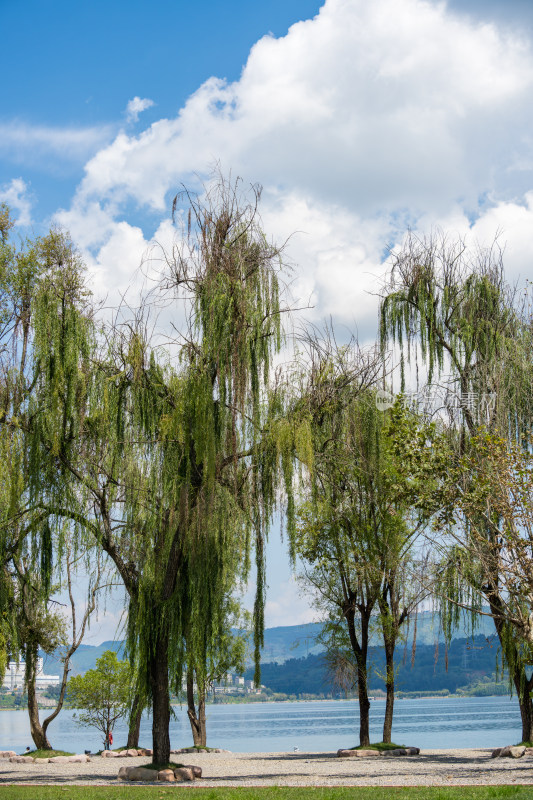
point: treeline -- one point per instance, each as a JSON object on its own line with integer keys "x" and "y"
{"x": 470, "y": 662}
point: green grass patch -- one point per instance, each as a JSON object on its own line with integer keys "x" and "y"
{"x": 381, "y": 746}
{"x": 46, "y": 753}
{"x": 200, "y": 748}
{"x": 525, "y": 744}
{"x": 267, "y": 793}
{"x": 170, "y": 765}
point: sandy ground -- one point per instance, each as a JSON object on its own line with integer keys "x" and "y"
{"x": 430, "y": 768}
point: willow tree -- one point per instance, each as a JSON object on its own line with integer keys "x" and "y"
{"x": 163, "y": 459}
{"x": 358, "y": 532}
{"x": 450, "y": 309}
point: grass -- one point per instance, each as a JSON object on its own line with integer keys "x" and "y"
{"x": 170, "y": 765}
{"x": 381, "y": 746}
{"x": 267, "y": 793}
{"x": 46, "y": 753}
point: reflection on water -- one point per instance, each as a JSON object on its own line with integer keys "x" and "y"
{"x": 319, "y": 726}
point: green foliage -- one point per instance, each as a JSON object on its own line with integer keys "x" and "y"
{"x": 103, "y": 694}
{"x": 454, "y": 308}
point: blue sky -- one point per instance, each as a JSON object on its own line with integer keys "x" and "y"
{"x": 359, "y": 119}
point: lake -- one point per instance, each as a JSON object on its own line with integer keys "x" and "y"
{"x": 315, "y": 726}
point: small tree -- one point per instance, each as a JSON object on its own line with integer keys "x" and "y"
{"x": 103, "y": 694}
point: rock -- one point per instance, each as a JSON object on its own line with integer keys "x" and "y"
{"x": 80, "y": 758}
{"x": 511, "y": 752}
{"x": 529, "y": 751}
{"x": 183, "y": 774}
{"x": 21, "y": 759}
{"x": 166, "y": 775}
{"x": 196, "y": 771}
{"x": 413, "y": 751}
{"x": 142, "y": 774}
{"x": 495, "y": 753}
{"x": 398, "y": 751}
{"x": 59, "y": 759}
{"x": 124, "y": 773}
{"x": 358, "y": 753}
{"x": 132, "y": 752}
{"x": 110, "y": 754}
{"x": 7, "y": 753}
{"x": 146, "y": 751}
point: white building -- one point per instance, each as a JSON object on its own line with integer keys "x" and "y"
{"x": 14, "y": 677}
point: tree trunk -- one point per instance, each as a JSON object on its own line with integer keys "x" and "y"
{"x": 526, "y": 712}
{"x": 197, "y": 720}
{"x": 516, "y": 670}
{"x": 364, "y": 703}
{"x": 158, "y": 667}
{"x": 38, "y": 734}
{"x": 134, "y": 728}
{"x": 360, "y": 651}
{"x": 389, "y": 705}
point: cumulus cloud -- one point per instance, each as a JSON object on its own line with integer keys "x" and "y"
{"x": 369, "y": 118}
{"x": 136, "y": 106}
{"x": 16, "y": 195}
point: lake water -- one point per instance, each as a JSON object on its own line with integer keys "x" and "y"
{"x": 316, "y": 726}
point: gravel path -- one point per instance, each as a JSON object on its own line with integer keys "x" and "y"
{"x": 431, "y": 767}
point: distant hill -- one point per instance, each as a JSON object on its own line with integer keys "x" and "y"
{"x": 289, "y": 642}
{"x": 83, "y": 659}
{"x": 296, "y": 641}
{"x": 470, "y": 662}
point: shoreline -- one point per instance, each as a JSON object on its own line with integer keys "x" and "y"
{"x": 458, "y": 767}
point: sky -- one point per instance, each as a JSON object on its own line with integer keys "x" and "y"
{"x": 359, "y": 119}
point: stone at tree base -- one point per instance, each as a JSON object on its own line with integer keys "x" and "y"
{"x": 79, "y": 758}
{"x": 124, "y": 773}
{"x": 529, "y": 751}
{"x": 7, "y": 753}
{"x": 142, "y": 774}
{"x": 145, "y": 751}
{"x": 358, "y": 753}
{"x": 413, "y": 751}
{"x": 109, "y": 754}
{"x": 183, "y": 774}
{"x": 59, "y": 760}
{"x": 22, "y": 760}
{"x": 196, "y": 771}
{"x": 166, "y": 775}
{"x": 509, "y": 752}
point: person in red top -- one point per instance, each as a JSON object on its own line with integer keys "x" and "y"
{"x": 109, "y": 741}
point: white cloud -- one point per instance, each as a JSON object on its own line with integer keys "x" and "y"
{"x": 136, "y": 107}
{"x": 16, "y": 195}
{"x": 27, "y": 143}
{"x": 365, "y": 119}
{"x": 288, "y": 606}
